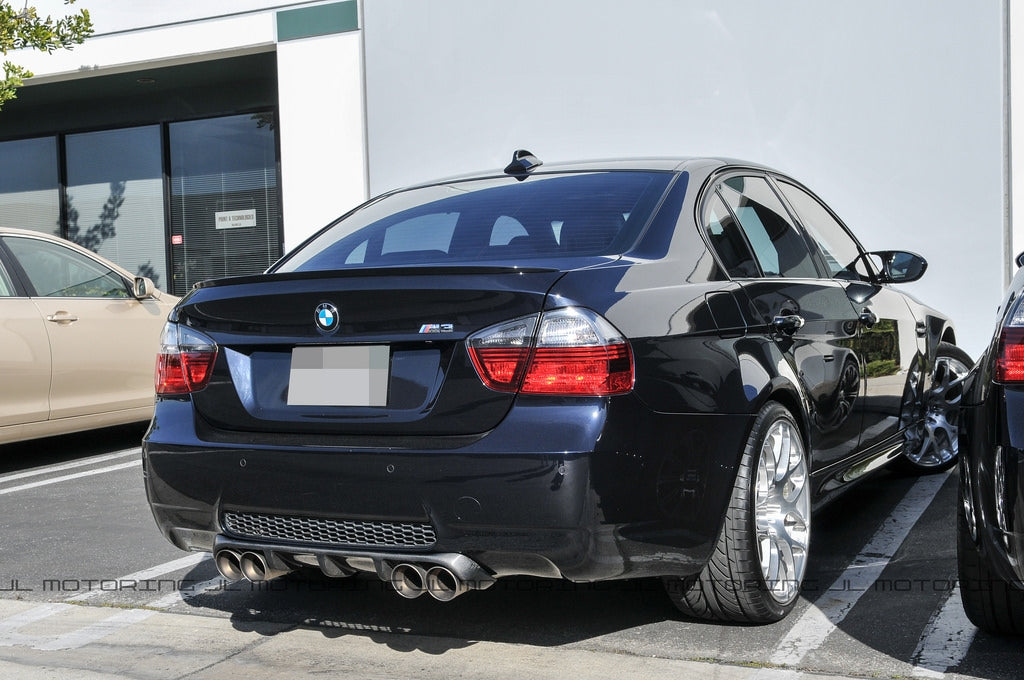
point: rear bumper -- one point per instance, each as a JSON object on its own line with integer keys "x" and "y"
{"x": 585, "y": 489}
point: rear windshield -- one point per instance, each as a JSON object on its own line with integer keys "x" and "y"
{"x": 545, "y": 216}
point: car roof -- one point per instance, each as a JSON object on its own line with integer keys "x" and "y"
{"x": 652, "y": 163}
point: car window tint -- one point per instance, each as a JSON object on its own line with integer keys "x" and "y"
{"x": 838, "y": 249}
{"x": 430, "y": 234}
{"x": 505, "y": 230}
{"x": 56, "y": 271}
{"x": 728, "y": 241}
{"x": 780, "y": 249}
{"x": 545, "y": 216}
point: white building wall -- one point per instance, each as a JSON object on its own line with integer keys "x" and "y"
{"x": 891, "y": 111}
{"x": 151, "y": 44}
{"x": 323, "y": 169}
{"x": 1015, "y": 105}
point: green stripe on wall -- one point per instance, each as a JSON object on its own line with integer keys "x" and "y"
{"x": 307, "y": 22}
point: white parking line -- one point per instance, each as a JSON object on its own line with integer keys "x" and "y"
{"x": 10, "y": 629}
{"x": 47, "y": 469}
{"x": 187, "y": 593}
{"x": 76, "y": 639}
{"x": 818, "y": 622}
{"x": 189, "y": 560}
{"x": 77, "y": 475}
{"x": 946, "y": 639}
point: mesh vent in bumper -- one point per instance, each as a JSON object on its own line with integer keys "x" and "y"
{"x": 330, "y": 531}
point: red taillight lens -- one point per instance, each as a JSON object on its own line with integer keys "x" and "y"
{"x": 501, "y": 368}
{"x": 1010, "y": 362}
{"x": 574, "y": 352}
{"x": 185, "y": 362}
{"x": 580, "y": 370}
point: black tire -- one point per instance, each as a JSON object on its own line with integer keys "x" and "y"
{"x": 733, "y": 585}
{"x": 931, "y": 413}
{"x": 991, "y": 603}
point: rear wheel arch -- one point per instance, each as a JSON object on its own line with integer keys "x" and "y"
{"x": 756, "y": 569}
{"x": 789, "y": 397}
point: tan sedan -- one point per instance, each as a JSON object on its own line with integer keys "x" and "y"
{"x": 78, "y": 338}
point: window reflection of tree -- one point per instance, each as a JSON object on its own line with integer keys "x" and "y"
{"x": 93, "y": 237}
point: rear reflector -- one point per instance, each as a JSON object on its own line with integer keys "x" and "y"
{"x": 573, "y": 352}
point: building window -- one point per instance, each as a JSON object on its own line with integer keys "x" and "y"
{"x": 224, "y": 198}
{"x": 224, "y": 202}
{"x": 115, "y": 198}
{"x": 30, "y": 185}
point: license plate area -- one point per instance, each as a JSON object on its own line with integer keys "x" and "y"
{"x": 339, "y": 376}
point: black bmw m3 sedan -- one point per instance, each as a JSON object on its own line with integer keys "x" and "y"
{"x": 590, "y": 371}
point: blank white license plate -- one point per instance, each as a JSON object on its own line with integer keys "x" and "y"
{"x": 339, "y": 376}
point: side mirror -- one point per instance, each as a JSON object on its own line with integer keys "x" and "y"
{"x": 899, "y": 266}
{"x": 142, "y": 288}
{"x": 1019, "y": 259}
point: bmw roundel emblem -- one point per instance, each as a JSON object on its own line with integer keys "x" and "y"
{"x": 327, "y": 318}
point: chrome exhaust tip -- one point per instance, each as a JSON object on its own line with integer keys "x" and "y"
{"x": 409, "y": 580}
{"x": 229, "y": 564}
{"x": 444, "y": 585}
{"x": 255, "y": 568}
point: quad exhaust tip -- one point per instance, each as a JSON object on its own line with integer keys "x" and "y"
{"x": 229, "y": 564}
{"x": 412, "y": 580}
{"x": 443, "y": 582}
{"x": 235, "y": 566}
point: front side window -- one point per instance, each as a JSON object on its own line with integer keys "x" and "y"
{"x": 838, "y": 249}
{"x": 489, "y": 220}
{"x": 780, "y": 249}
{"x": 56, "y": 271}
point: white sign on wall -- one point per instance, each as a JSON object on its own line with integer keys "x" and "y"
{"x": 235, "y": 219}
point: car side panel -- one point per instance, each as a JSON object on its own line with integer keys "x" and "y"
{"x": 24, "y": 363}
{"x": 98, "y": 359}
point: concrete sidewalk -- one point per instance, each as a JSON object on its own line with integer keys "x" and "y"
{"x": 49, "y": 641}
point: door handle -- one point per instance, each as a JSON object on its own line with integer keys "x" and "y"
{"x": 867, "y": 318}
{"x": 787, "y": 323}
{"x": 62, "y": 318}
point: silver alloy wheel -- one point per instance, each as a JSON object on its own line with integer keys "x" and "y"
{"x": 934, "y": 442}
{"x": 782, "y": 511}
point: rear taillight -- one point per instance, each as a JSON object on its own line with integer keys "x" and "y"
{"x": 185, "y": 362}
{"x": 1010, "y": 359}
{"x": 568, "y": 351}
{"x": 1010, "y": 362}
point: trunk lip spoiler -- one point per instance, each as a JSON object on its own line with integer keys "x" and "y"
{"x": 375, "y": 271}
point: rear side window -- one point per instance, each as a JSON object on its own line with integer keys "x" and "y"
{"x": 491, "y": 220}
{"x": 728, "y": 241}
{"x": 779, "y": 248}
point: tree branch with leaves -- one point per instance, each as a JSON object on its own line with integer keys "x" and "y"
{"x": 25, "y": 29}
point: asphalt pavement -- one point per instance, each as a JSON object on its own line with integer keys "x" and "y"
{"x": 89, "y": 589}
